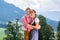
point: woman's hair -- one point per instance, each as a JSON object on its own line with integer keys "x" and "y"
{"x": 33, "y": 11}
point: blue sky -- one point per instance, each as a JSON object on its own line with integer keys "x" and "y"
{"x": 48, "y": 8}
{"x": 53, "y": 15}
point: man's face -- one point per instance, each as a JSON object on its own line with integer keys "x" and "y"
{"x": 28, "y": 12}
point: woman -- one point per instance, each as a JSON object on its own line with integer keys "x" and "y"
{"x": 35, "y": 25}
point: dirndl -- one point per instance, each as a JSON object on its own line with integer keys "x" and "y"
{"x": 33, "y": 34}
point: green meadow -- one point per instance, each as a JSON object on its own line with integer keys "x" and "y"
{"x": 2, "y": 33}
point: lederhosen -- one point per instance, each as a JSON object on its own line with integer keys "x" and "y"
{"x": 33, "y": 33}
{"x": 26, "y": 33}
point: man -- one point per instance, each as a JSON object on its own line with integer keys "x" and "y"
{"x": 27, "y": 20}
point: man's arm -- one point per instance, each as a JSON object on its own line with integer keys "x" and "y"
{"x": 37, "y": 25}
{"x": 25, "y": 23}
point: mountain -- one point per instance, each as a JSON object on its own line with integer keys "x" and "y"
{"x": 9, "y": 12}
{"x": 52, "y": 23}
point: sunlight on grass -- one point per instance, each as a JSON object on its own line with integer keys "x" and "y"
{"x": 2, "y": 34}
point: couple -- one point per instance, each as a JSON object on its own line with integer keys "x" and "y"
{"x": 31, "y": 25}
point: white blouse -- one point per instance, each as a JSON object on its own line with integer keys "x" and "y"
{"x": 36, "y": 20}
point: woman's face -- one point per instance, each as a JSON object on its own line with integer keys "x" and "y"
{"x": 33, "y": 14}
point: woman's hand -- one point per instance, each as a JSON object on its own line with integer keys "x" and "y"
{"x": 38, "y": 27}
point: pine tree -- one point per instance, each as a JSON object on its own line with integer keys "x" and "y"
{"x": 46, "y": 30}
{"x": 58, "y": 31}
{"x": 43, "y": 25}
{"x": 13, "y": 31}
{"x": 49, "y": 33}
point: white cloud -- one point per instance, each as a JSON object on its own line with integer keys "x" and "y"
{"x": 23, "y": 4}
{"x": 39, "y": 5}
{"x": 48, "y": 5}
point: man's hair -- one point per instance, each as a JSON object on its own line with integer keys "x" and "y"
{"x": 28, "y": 9}
{"x": 33, "y": 11}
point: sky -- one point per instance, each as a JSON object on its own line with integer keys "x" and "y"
{"x": 48, "y": 8}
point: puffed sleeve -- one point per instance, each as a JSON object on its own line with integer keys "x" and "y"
{"x": 36, "y": 20}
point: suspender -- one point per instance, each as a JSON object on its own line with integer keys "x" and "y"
{"x": 26, "y": 20}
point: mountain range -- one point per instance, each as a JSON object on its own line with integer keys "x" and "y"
{"x": 10, "y": 12}
{"x": 52, "y": 23}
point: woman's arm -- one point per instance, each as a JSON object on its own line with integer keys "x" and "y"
{"x": 37, "y": 23}
{"x": 37, "y": 26}
{"x": 31, "y": 25}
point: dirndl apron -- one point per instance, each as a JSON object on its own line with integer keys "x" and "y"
{"x": 34, "y": 34}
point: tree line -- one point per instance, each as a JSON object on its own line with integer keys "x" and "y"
{"x": 13, "y": 30}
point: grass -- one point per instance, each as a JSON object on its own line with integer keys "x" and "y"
{"x": 2, "y": 34}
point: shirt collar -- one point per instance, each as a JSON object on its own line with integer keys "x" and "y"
{"x": 27, "y": 16}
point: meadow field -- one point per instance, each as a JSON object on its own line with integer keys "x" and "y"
{"x": 2, "y": 34}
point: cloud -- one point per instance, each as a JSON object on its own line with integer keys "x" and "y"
{"x": 39, "y": 5}
{"x": 49, "y": 5}
{"x": 23, "y": 4}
